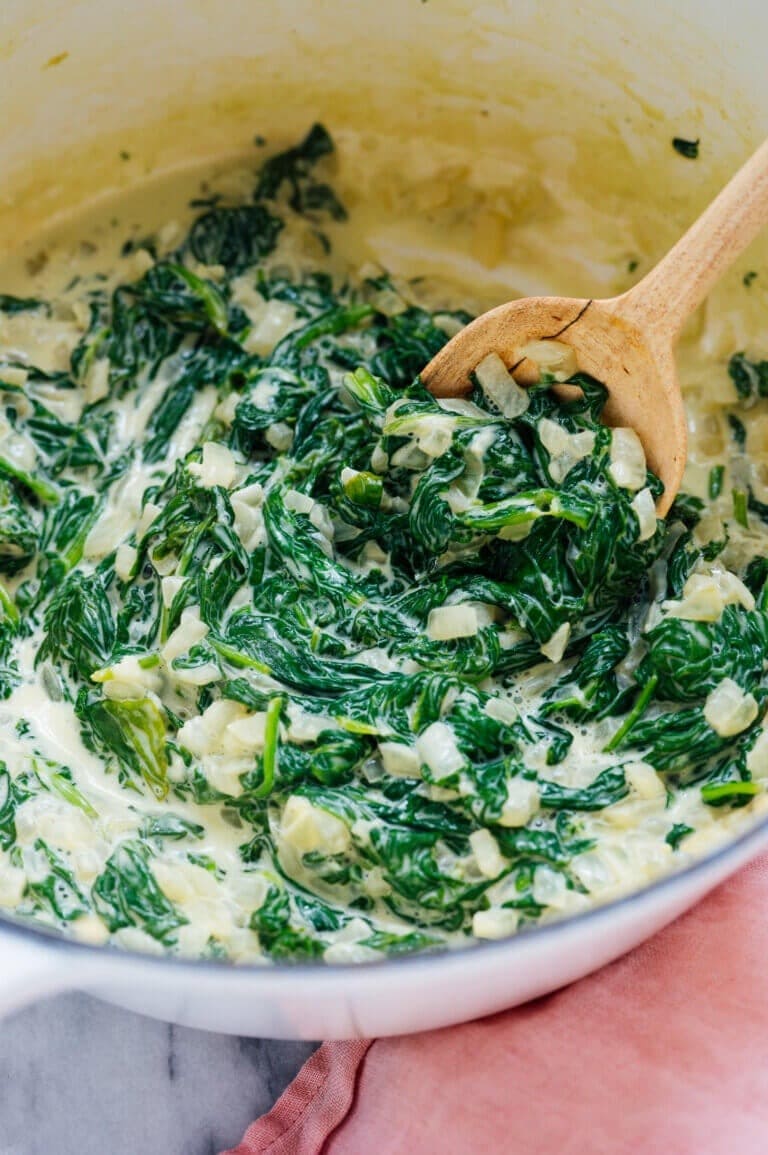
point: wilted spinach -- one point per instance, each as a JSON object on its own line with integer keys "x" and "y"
{"x": 241, "y": 569}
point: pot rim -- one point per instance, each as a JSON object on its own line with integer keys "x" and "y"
{"x": 48, "y": 937}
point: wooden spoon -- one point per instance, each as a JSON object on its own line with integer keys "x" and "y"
{"x": 627, "y": 342}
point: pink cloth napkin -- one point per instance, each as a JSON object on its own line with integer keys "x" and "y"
{"x": 664, "y": 1051}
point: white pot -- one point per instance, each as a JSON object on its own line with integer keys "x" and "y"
{"x": 174, "y": 82}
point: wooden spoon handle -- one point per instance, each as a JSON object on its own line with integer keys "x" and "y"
{"x": 665, "y": 298}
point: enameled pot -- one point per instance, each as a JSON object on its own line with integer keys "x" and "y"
{"x": 83, "y": 80}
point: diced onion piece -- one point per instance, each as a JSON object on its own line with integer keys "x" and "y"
{"x": 247, "y": 734}
{"x": 14, "y": 375}
{"x": 125, "y": 559}
{"x": 202, "y": 675}
{"x": 305, "y": 727}
{"x": 128, "y": 679}
{"x": 373, "y": 553}
{"x": 184, "y": 881}
{"x": 343, "y": 953}
{"x": 554, "y": 358}
{"x": 438, "y": 750}
{"x": 187, "y": 634}
{"x": 96, "y": 380}
{"x": 497, "y": 923}
{"x": 705, "y": 596}
{"x": 643, "y": 780}
{"x": 644, "y": 508}
{"x": 628, "y": 466}
{"x": 521, "y": 803}
{"x": 223, "y": 772}
{"x": 248, "y": 524}
{"x": 410, "y": 456}
{"x": 13, "y": 883}
{"x": 487, "y": 854}
{"x": 108, "y": 532}
{"x": 728, "y": 710}
{"x": 379, "y": 459}
{"x": 148, "y": 515}
{"x": 245, "y": 294}
{"x": 276, "y": 320}
{"x": 702, "y": 600}
{"x": 487, "y": 613}
{"x": 264, "y": 393}
{"x": 217, "y": 468}
{"x": 474, "y": 455}
{"x": 594, "y": 870}
{"x": 89, "y": 928}
{"x": 501, "y": 710}
{"x": 169, "y": 587}
{"x": 555, "y": 647}
{"x": 389, "y": 302}
{"x": 375, "y": 882}
{"x": 204, "y": 734}
{"x": 511, "y": 638}
{"x": 210, "y": 272}
{"x": 552, "y": 435}
{"x": 757, "y": 758}
{"x": 435, "y": 434}
{"x": 279, "y": 436}
{"x": 399, "y": 760}
{"x": 21, "y": 451}
{"x": 321, "y": 520}
{"x": 309, "y": 828}
{"x": 463, "y": 408}
{"x": 500, "y": 387}
{"x": 565, "y": 449}
{"x": 448, "y": 622}
{"x": 252, "y": 494}
{"x": 549, "y": 887}
{"x": 298, "y": 502}
{"x": 733, "y": 589}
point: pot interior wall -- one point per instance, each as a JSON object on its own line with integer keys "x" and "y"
{"x": 87, "y": 82}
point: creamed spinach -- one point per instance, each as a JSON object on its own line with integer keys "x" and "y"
{"x": 297, "y": 662}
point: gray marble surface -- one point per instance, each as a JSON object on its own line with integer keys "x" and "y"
{"x": 78, "y": 1077}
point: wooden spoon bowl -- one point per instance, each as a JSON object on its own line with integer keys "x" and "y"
{"x": 626, "y": 342}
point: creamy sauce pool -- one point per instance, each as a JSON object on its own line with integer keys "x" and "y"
{"x": 93, "y": 843}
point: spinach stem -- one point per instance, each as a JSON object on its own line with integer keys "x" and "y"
{"x": 8, "y": 606}
{"x": 271, "y": 743}
{"x": 41, "y": 489}
{"x": 634, "y": 715}
{"x": 740, "y": 508}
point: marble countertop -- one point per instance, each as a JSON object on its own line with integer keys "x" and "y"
{"x": 78, "y": 1077}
